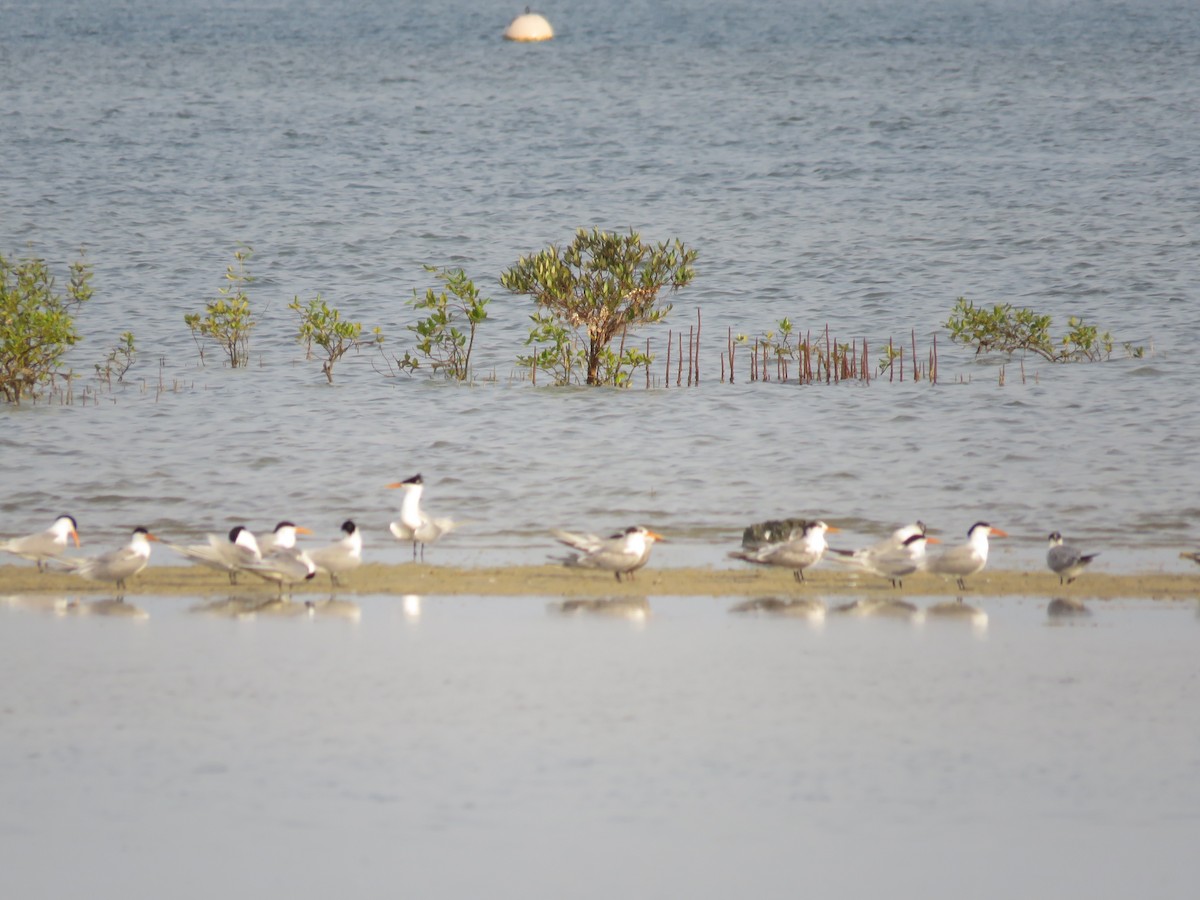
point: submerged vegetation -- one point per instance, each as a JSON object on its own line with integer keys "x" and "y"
{"x": 590, "y": 298}
{"x": 120, "y": 359}
{"x": 1008, "y": 329}
{"x": 37, "y": 324}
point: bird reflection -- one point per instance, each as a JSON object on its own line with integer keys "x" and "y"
{"x": 880, "y": 608}
{"x": 114, "y": 606}
{"x": 957, "y": 611}
{"x": 412, "y": 606}
{"x": 333, "y": 608}
{"x": 799, "y": 608}
{"x": 635, "y": 608}
{"x": 1065, "y": 608}
{"x": 36, "y": 603}
{"x": 245, "y": 607}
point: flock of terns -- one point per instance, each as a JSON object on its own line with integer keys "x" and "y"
{"x": 275, "y": 557}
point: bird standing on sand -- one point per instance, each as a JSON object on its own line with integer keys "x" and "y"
{"x": 414, "y": 525}
{"x": 115, "y": 565}
{"x": 226, "y": 555}
{"x": 798, "y": 553}
{"x": 45, "y": 545}
{"x": 285, "y": 566}
{"x": 341, "y": 556}
{"x": 965, "y": 559}
{"x": 900, "y": 553}
{"x": 621, "y": 554}
{"x": 1066, "y": 561}
{"x": 282, "y": 538}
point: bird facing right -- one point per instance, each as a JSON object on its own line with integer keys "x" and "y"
{"x": 115, "y": 565}
{"x": 44, "y": 545}
{"x": 965, "y": 559}
{"x": 1066, "y": 561}
{"x": 225, "y": 555}
{"x": 622, "y": 554}
{"x": 798, "y": 553}
{"x": 900, "y": 553}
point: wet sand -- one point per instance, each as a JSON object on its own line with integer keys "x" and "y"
{"x": 557, "y": 581}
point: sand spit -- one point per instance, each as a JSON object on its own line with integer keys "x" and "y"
{"x": 557, "y": 581}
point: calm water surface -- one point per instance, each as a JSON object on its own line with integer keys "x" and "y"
{"x": 857, "y": 165}
{"x": 474, "y": 745}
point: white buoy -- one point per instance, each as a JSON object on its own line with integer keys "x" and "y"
{"x": 529, "y": 27}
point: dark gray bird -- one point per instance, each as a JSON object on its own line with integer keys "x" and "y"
{"x": 1066, "y": 561}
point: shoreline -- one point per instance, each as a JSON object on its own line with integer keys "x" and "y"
{"x": 558, "y": 581}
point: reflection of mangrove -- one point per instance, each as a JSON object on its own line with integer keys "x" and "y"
{"x": 800, "y": 608}
{"x": 617, "y": 607}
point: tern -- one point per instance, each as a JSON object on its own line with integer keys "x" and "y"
{"x": 414, "y": 525}
{"x": 622, "y": 554}
{"x": 282, "y": 538}
{"x": 284, "y": 566}
{"x": 342, "y": 556}
{"x": 798, "y": 553}
{"x": 899, "y": 554}
{"x": 224, "y": 554}
{"x": 965, "y": 559}
{"x": 44, "y": 545}
{"x": 1066, "y": 561}
{"x": 115, "y": 565}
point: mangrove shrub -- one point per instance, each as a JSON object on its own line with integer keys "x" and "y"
{"x": 599, "y": 287}
{"x": 37, "y": 325}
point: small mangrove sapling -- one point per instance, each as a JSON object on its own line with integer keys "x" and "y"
{"x": 323, "y": 325}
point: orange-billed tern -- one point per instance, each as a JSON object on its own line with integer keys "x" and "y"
{"x": 797, "y": 553}
{"x": 414, "y": 525}
{"x": 45, "y": 545}
{"x": 621, "y": 554}
{"x": 115, "y": 565}
{"x": 965, "y": 559}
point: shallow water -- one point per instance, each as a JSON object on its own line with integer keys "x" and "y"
{"x": 858, "y": 166}
{"x": 470, "y": 745}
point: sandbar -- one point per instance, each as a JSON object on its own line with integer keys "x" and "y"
{"x": 558, "y": 581}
